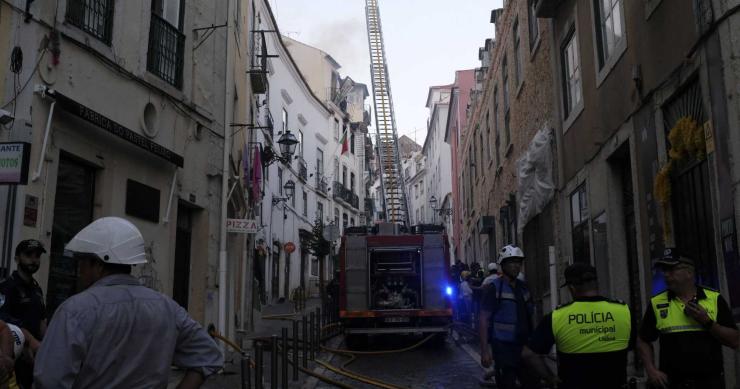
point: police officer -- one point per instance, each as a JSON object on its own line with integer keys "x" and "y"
{"x": 593, "y": 335}
{"x": 24, "y": 300}
{"x": 692, "y": 323}
{"x": 507, "y": 306}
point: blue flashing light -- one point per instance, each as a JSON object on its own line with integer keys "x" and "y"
{"x": 448, "y": 290}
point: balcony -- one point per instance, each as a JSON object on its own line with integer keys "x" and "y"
{"x": 258, "y": 71}
{"x": 302, "y": 170}
{"x": 345, "y": 195}
{"x": 321, "y": 185}
{"x": 95, "y": 17}
{"x": 166, "y": 47}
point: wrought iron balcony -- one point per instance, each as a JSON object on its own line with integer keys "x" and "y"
{"x": 302, "y": 170}
{"x": 321, "y": 185}
{"x": 95, "y": 17}
{"x": 345, "y": 195}
{"x": 166, "y": 48}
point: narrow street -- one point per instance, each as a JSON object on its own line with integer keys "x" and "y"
{"x": 428, "y": 366}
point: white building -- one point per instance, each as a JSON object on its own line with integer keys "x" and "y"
{"x": 328, "y": 186}
{"x": 415, "y": 178}
{"x": 124, "y": 110}
{"x": 438, "y": 160}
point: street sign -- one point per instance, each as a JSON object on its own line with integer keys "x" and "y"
{"x": 242, "y": 226}
{"x": 289, "y": 247}
{"x": 14, "y": 160}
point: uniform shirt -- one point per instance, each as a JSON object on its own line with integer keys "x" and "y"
{"x": 489, "y": 303}
{"x": 119, "y": 334}
{"x": 24, "y": 303}
{"x": 581, "y": 371}
{"x": 695, "y": 354}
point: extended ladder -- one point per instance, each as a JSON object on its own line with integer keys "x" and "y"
{"x": 391, "y": 177}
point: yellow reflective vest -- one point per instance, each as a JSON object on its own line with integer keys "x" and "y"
{"x": 669, "y": 315}
{"x": 592, "y": 327}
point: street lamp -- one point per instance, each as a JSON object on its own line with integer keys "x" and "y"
{"x": 287, "y": 144}
{"x": 289, "y": 188}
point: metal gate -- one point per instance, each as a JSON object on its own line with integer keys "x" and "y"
{"x": 690, "y": 191}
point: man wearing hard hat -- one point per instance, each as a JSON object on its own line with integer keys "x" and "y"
{"x": 117, "y": 333}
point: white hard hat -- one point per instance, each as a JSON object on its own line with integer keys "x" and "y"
{"x": 18, "y": 340}
{"x": 492, "y": 266}
{"x": 113, "y": 239}
{"x": 510, "y": 251}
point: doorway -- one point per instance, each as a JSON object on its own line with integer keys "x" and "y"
{"x": 183, "y": 244}
{"x": 275, "y": 271}
{"x": 73, "y": 210}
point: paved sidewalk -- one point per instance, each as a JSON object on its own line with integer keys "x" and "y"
{"x": 231, "y": 375}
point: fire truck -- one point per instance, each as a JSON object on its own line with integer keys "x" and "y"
{"x": 394, "y": 281}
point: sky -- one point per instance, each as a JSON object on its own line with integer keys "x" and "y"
{"x": 426, "y": 41}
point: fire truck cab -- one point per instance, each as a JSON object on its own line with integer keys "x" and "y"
{"x": 395, "y": 281}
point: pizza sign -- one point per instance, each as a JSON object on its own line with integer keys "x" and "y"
{"x": 242, "y": 226}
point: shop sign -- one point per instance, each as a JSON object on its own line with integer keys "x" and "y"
{"x": 242, "y": 226}
{"x": 14, "y": 158}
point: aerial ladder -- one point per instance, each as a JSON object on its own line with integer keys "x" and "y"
{"x": 391, "y": 175}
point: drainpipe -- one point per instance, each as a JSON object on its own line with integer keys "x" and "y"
{"x": 228, "y": 114}
{"x": 40, "y": 165}
{"x": 553, "y": 279}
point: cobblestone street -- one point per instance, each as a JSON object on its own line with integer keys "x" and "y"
{"x": 428, "y": 366}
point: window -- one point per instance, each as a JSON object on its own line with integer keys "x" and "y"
{"x": 507, "y": 130}
{"x": 336, "y": 169}
{"x": 407, "y": 172}
{"x": 352, "y": 182}
{"x": 423, "y": 215}
{"x": 416, "y": 191}
{"x": 507, "y": 218}
{"x": 344, "y": 176}
{"x": 280, "y": 181}
{"x": 285, "y": 120}
{"x": 571, "y": 73}
{"x": 95, "y": 17}
{"x": 505, "y": 83}
{"x": 299, "y": 152}
{"x": 421, "y": 186}
{"x": 517, "y": 55}
{"x": 534, "y": 27}
{"x": 166, "y": 41}
{"x": 142, "y": 201}
{"x": 480, "y": 150}
{"x": 345, "y": 221}
{"x": 292, "y": 200}
{"x": 320, "y": 211}
{"x": 319, "y": 163}
{"x": 488, "y": 134}
{"x": 609, "y": 28}
{"x": 579, "y": 225}
{"x": 314, "y": 267}
{"x": 305, "y": 203}
{"x": 336, "y": 129}
{"x": 336, "y": 217}
{"x": 352, "y": 221}
{"x": 352, "y": 143}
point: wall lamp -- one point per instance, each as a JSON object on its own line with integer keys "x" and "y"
{"x": 287, "y": 143}
{"x": 289, "y": 188}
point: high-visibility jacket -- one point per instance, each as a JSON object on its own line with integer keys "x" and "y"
{"x": 592, "y": 327}
{"x": 670, "y": 316}
{"x": 505, "y": 319}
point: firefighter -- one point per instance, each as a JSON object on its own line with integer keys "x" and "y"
{"x": 692, "y": 323}
{"x": 593, "y": 335}
{"x": 507, "y": 307}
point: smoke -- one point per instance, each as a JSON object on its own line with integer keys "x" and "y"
{"x": 346, "y": 42}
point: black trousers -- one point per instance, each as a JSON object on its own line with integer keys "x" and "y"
{"x": 506, "y": 377}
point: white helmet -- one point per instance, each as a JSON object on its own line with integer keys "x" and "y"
{"x": 113, "y": 239}
{"x": 19, "y": 340}
{"x": 492, "y": 266}
{"x": 509, "y": 251}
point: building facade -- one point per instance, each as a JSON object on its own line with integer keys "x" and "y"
{"x": 643, "y": 95}
{"x": 507, "y": 155}
{"x": 438, "y": 158}
{"x": 132, "y": 128}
